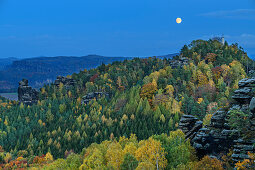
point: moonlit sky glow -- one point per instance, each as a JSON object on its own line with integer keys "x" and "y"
{"x": 31, "y": 28}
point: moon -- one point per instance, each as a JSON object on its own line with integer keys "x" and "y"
{"x": 178, "y": 20}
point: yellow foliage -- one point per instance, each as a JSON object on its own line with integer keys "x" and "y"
{"x": 43, "y": 90}
{"x": 148, "y": 90}
{"x": 40, "y": 122}
{"x": 154, "y": 82}
{"x": 209, "y": 164}
{"x": 206, "y": 163}
{"x": 69, "y": 94}
{"x": 61, "y": 85}
{"x": 207, "y": 119}
{"x": 6, "y": 122}
{"x": 130, "y": 148}
{"x": 176, "y": 107}
{"x": 246, "y": 163}
{"x": 145, "y": 166}
{"x": 151, "y": 151}
{"x": 19, "y": 158}
{"x": 170, "y": 90}
{"x": 114, "y": 155}
{"x": 7, "y": 157}
{"x": 48, "y": 157}
{"x": 202, "y": 79}
{"x": 93, "y": 161}
{"x": 200, "y": 100}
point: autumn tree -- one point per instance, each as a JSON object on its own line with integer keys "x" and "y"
{"x": 148, "y": 91}
{"x": 151, "y": 151}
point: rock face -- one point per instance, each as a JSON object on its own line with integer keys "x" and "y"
{"x": 211, "y": 140}
{"x": 26, "y": 94}
{"x": 67, "y": 82}
{"x": 218, "y": 138}
{"x": 245, "y": 92}
{"x": 241, "y": 148}
{"x": 175, "y": 63}
{"x": 93, "y": 95}
{"x": 190, "y": 126}
{"x": 252, "y": 105}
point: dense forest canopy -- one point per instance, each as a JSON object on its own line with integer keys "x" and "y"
{"x": 146, "y": 99}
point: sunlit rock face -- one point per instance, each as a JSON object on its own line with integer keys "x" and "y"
{"x": 27, "y": 94}
{"x": 218, "y": 138}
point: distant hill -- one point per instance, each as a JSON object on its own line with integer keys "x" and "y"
{"x": 6, "y": 61}
{"x": 41, "y": 70}
{"x": 170, "y": 56}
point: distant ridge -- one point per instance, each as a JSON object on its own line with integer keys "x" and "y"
{"x": 6, "y": 61}
{"x": 170, "y": 56}
{"x": 42, "y": 70}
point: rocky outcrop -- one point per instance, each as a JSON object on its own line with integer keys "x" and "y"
{"x": 93, "y": 95}
{"x": 212, "y": 140}
{"x": 175, "y": 63}
{"x": 217, "y": 138}
{"x": 190, "y": 126}
{"x": 27, "y": 94}
{"x": 67, "y": 82}
{"x": 246, "y": 103}
{"x": 241, "y": 148}
{"x": 244, "y": 94}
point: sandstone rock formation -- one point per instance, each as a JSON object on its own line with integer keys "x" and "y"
{"x": 217, "y": 138}
{"x": 27, "y": 94}
{"x": 67, "y": 82}
{"x": 175, "y": 63}
{"x": 190, "y": 125}
{"x": 93, "y": 95}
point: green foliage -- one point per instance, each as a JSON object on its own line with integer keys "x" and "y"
{"x": 241, "y": 122}
{"x": 58, "y": 164}
{"x": 178, "y": 150}
{"x": 129, "y": 162}
{"x": 74, "y": 161}
{"x": 146, "y": 97}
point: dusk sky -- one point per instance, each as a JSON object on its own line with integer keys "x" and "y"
{"x": 31, "y": 28}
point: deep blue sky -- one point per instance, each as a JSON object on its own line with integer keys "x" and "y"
{"x": 30, "y": 28}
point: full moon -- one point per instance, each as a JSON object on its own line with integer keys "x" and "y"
{"x": 178, "y": 20}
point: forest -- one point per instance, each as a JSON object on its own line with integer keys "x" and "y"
{"x": 134, "y": 126}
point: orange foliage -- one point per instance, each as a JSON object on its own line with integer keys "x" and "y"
{"x": 15, "y": 164}
{"x": 39, "y": 159}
